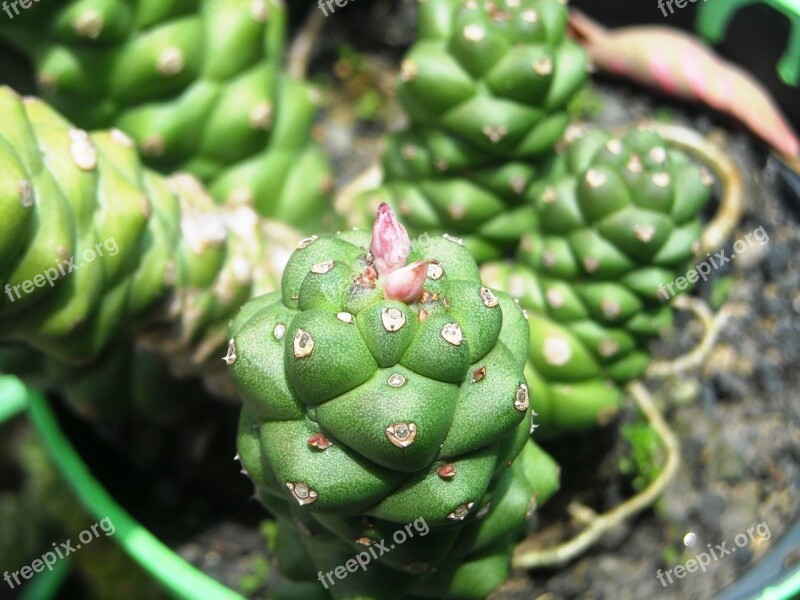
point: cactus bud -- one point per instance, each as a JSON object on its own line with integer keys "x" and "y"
{"x": 405, "y": 285}
{"x": 390, "y": 242}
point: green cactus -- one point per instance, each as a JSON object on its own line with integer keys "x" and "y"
{"x": 377, "y": 395}
{"x": 95, "y": 248}
{"x": 195, "y": 83}
{"x": 486, "y": 88}
{"x": 617, "y": 220}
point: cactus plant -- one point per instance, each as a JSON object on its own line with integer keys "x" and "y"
{"x": 386, "y": 384}
{"x": 485, "y": 88}
{"x": 95, "y": 248}
{"x": 197, "y": 85}
{"x": 471, "y": 164}
{"x": 378, "y": 393}
{"x": 617, "y": 223}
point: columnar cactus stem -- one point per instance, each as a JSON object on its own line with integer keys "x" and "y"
{"x": 485, "y": 88}
{"x": 96, "y": 247}
{"x": 196, "y": 85}
{"x": 617, "y": 223}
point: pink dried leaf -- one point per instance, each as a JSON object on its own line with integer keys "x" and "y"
{"x": 680, "y": 65}
{"x": 405, "y": 285}
{"x": 390, "y": 242}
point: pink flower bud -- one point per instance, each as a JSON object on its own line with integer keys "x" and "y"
{"x": 390, "y": 242}
{"x": 405, "y": 285}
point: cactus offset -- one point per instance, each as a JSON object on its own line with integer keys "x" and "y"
{"x": 197, "y": 85}
{"x": 617, "y": 219}
{"x": 371, "y": 402}
{"x": 485, "y": 88}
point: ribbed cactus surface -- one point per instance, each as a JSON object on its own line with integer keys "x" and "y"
{"x": 96, "y": 247}
{"x": 617, "y": 220}
{"x": 485, "y": 87}
{"x": 379, "y": 393}
{"x": 197, "y": 84}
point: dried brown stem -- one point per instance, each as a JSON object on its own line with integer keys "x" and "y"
{"x": 303, "y": 44}
{"x": 793, "y": 162}
{"x": 528, "y": 556}
{"x": 694, "y": 359}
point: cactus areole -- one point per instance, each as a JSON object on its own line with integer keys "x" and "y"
{"x": 383, "y": 385}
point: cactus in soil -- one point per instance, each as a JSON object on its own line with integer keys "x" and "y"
{"x": 95, "y": 247}
{"x": 485, "y": 88}
{"x": 196, "y": 84}
{"x": 383, "y": 386}
{"x": 617, "y": 222}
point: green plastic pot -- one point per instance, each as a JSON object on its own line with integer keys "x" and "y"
{"x": 178, "y": 578}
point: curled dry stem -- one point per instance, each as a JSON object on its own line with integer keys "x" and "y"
{"x": 712, "y": 325}
{"x": 303, "y": 44}
{"x": 793, "y": 162}
{"x": 528, "y": 556}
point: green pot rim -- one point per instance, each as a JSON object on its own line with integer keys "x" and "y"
{"x": 179, "y": 578}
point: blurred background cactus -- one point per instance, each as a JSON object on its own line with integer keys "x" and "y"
{"x": 97, "y": 249}
{"x": 617, "y": 221}
{"x": 198, "y": 86}
{"x": 485, "y": 90}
